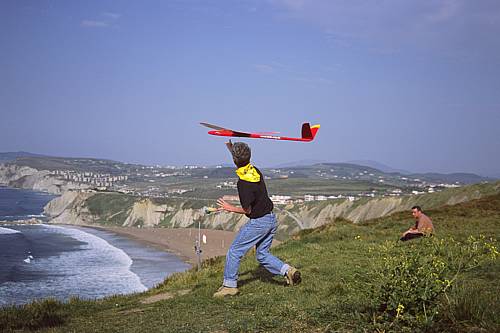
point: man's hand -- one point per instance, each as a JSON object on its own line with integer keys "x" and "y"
{"x": 224, "y": 205}
{"x": 412, "y": 230}
{"x": 229, "y": 146}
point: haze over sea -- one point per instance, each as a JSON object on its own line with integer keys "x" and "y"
{"x": 40, "y": 261}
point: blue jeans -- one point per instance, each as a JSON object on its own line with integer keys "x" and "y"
{"x": 258, "y": 232}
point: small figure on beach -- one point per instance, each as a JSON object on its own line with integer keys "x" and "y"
{"x": 423, "y": 225}
{"x": 258, "y": 231}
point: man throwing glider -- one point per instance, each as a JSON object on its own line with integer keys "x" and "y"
{"x": 258, "y": 231}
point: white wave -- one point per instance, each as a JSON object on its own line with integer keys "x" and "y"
{"x": 23, "y": 217}
{"x": 96, "y": 270}
{"x": 5, "y": 231}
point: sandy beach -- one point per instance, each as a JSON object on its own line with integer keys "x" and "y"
{"x": 179, "y": 241}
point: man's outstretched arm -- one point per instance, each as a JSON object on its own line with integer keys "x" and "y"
{"x": 224, "y": 205}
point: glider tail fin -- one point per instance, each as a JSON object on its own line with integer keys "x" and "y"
{"x": 308, "y": 131}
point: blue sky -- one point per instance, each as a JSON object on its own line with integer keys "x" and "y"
{"x": 411, "y": 84}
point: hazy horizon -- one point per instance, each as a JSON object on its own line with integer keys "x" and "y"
{"x": 412, "y": 85}
{"x": 369, "y": 163}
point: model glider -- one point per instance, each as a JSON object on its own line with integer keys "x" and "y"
{"x": 308, "y": 133}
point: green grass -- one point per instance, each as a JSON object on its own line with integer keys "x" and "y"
{"x": 460, "y": 194}
{"x": 343, "y": 267}
{"x": 301, "y": 186}
{"x": 111, "y": 208}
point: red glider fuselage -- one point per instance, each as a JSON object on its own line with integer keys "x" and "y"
{"x": 308, "y": 133}
{"x": 257, "y": 136}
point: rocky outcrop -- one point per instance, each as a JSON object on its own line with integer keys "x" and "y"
{"x": 70, "y": 208}
{"x": 32, "y": 220}
{"x": 38, "y": 180}
{"x": 12, "y": 173}
{"x": 377, "y": 208}
{"x": 73, "y": 208}
{"x": 147, "y": 212}
{"x": 225, "y": 221}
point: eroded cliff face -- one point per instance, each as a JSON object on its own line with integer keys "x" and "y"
{"x": 38, "y": 180}
{"x": 377, "y": 208}
{"x": 12, "y": 173}
{"x": 149, "y": 214}
{"x": 146, "y": 213}
{"x": 315, "y": 215}
{"x": 70, "y": 208}
{"x": 73, "y": 208}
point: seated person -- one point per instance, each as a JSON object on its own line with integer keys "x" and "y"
{"x": 423, "y": 225}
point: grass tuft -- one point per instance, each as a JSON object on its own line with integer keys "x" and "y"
{"x": 33, "y": 316}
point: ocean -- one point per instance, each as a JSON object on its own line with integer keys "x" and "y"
{"x": 43, "y": 260}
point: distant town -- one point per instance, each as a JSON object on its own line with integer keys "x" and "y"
{"x": 171, "y": 181}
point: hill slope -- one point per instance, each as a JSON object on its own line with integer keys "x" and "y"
{"x": 11, "y": 156}
{"x": 119, "y": 209}
{"x": 347, "y": 274}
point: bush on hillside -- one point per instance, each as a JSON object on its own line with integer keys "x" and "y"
{"x": 414, "y": 277}
{"x": 472, "y": 306}
{"x": 33, "y": 316}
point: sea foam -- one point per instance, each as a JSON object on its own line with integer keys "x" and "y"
{"x": 99, "y": 261}
{"x": 6, "y": 231}
{"x": 95, "y": 270}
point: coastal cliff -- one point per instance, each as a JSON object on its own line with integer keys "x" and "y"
{"x": 76, "y": 207}
{"x": 70, "y": 208}
{"x": 314, "y": 214}
{"x": 84, "y": 208}
{"x": 37, "y": 180}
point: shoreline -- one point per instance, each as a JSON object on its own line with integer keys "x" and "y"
{"x": 179, "y": 242}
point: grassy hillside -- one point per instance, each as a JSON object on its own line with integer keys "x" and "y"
{"x": 356, "y": 277}
{"x": 114, "y": 208}
{"x": 111, "y": 208}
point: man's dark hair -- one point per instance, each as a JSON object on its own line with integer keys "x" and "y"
{"x": 417, "y": 208}
{"x": 241, "y": 154}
